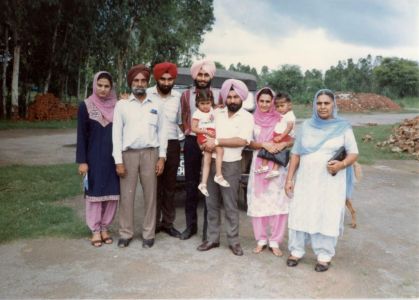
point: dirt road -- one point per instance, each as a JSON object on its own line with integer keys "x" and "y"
{"x": 379, "y": 259}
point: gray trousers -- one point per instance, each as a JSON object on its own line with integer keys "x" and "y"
{"x": 229, "y": 197}
{"x": 138, "y": 163}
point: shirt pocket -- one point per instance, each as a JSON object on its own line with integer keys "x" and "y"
{"x": 153, "y": 119}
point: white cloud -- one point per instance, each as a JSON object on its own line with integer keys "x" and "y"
{"x": 230, "y": 42}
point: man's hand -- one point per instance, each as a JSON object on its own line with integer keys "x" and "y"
{"x": 120, "y": 170}
{"x": 83, "y": 168}
{"x": 209, "y": 145}
{"x": 160, "y": 166}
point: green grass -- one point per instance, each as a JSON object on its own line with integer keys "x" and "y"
{"x": 28, "y": 196}
{"x": 408, "y": 103}
{"x": 8, "y": 124}
{"x": 369, "y": 153}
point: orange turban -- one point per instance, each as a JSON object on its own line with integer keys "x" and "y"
{"x": 135, "y": 70}
{"x": 164, "y": 67}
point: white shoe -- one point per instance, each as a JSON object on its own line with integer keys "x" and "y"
{"x": 262, "y": 169}
{"x": 272, "y": 174}
{"x": 221, "y": 181}
{"x": 203, "y": 188}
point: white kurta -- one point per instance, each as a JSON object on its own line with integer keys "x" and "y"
{"x": 319, "y": 197}
{"x": 273, "y": 201}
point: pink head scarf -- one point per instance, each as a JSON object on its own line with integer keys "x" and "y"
{"x": 266, "y": 121}
{"x": 206, "y": 65}
{"x": 104, "y": 105}
{"x": 237, "y": 85}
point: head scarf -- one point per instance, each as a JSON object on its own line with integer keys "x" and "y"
{"x": 135, "y": 70}
{"x": 316, "y": 131}
{"x": 104, "y": 105}
{"x": 206, "y": 65}
{"x": 266, "y": 121}
{"x": 237, "y": 85}
{"x": 164, "y": 67}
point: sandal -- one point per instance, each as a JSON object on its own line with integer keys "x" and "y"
{"x": 202, "y": 187}
{"x": 96, "y": 240}
{"x": 276, "y": 251}
{"x": 292, "y": 262}
{"x": 259, "y": 249}
{"x": 321, "y": 267}
{"x": 221, "y": 181}
{"x": 106, "y": 238}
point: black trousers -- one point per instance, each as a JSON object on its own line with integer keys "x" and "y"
{"x": 193, "y": 161}
{"x": 166, "y": 186}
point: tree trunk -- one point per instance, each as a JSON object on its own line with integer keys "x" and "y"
{"x": 54, "y": 43}
{"x": 120, "y": 70}
{"x": 15, "y": 79}
{"x": 4, "y": 72}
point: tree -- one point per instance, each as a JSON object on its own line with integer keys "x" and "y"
{"x": 288, "y": 79}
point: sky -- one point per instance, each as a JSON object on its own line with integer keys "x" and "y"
{"x": 311, "y": 33}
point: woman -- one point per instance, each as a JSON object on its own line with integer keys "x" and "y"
{"x": 94, "y": 156}
{"x": 267, "y": 205}
{"x": 318, "y": 203}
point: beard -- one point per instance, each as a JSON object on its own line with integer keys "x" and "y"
{"x": 138, "y": 91}
{"x": 164, "y": 89}
{"x": 202, "y": 84}
{"x": 234, "y": 107}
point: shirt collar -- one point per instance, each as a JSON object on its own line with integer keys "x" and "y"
{"x": 132, "y": 98}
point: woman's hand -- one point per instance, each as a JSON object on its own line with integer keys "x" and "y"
{"x": 120, "y": 170}
{"x": 83, "y": 168}
{"x": 335, "y": 166}
{"x": 289, "y": 188}
{"x": 280, "y": 146}
{"x": 270, "y": 147}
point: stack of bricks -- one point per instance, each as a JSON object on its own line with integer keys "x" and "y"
{"x": 48, "y": 107}
{"x": 363, "y": 102}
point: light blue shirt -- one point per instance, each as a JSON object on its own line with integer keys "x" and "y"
{"x": 138, "y": 125}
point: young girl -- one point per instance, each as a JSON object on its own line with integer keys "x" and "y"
{"x": 283, "y": 132}
{"x": 203, "y": 125}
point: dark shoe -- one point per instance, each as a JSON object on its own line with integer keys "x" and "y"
{"x": 321, "y": 267}
{"x": 172, "y": 232}
{"x": 122, "y": 243}
{"x": 188, "y": 233}
{"x": 207, "y": 246}
{"x": 236, "y": 249}
{"x": 292, "y": 262}
{"x": 158, "y": 228}
{"x": 148, "y": 243}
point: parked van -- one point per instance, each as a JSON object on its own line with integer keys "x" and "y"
{"x": 184, "y": 81}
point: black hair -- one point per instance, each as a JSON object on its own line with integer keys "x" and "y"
{"x": 281, "y": 95}
{"x": 106, "y": 76}
{"x": 203, "y": 95}
{"x": 327, "y": 93}
{"x": 265, "y": 91}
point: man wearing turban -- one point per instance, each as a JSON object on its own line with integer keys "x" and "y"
{"x": 202, "y": 73}
{"x": 165, "y": 74}
{"x": 139, "y": 137}
{"x": 234, "y": 130}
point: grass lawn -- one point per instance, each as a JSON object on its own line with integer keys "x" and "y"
{"x": 7, "y": 124}
{"x": 408, "y": 103}
{"x": 369, "y": 153}
{"x": 27, "y": 196}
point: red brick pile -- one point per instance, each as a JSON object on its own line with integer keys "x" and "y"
{"x": 405, "y": 138}
{"x": 48, "y": 107}
{"x": 361, "y": 102}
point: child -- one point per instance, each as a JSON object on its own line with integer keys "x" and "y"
{"x": 203, "y": 125}
{"x": 283, "y": 132}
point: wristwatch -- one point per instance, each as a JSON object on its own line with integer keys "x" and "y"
{"x": 216, "y": 142}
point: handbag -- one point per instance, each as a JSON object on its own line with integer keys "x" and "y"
{"x": 281, "y": 157}
{"x": 339, "y": 155}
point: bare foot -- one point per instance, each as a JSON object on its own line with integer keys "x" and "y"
{"x": 259, "y": 249}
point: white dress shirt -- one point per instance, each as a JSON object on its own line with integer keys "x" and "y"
{"x": 172, "y": 110}
{"x": 238, "y": 125}
{"x": 138, "y": 125}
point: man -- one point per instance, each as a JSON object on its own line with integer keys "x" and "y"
{"x": 202, "y": 72}
{"x": 234, "y": 130}
{"x": 139, "y": 148}
{"x": 165, "y": 74}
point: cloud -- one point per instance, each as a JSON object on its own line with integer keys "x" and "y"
{"x": 282, "y": 39}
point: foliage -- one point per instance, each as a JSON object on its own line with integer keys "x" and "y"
{"x": 28, "y": 201}
{"x": 8, "y": 124}
{"x": 408, "y": 103}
